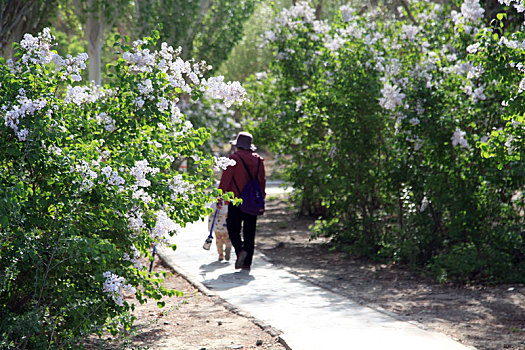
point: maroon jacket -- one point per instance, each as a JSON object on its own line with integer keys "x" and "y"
{"x": 238, "y": 171}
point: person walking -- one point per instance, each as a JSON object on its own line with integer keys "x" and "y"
{"x": 248, "y": 166}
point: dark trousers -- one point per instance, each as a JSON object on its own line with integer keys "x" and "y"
{"x": 235, "y": 221}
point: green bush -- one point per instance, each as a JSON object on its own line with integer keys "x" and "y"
{"x": 87, "y": 186}
{"x": 405, "y": 131}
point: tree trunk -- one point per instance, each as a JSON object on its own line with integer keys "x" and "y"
{"x": 18, "y": 17}
{"x": 94, "y": 32}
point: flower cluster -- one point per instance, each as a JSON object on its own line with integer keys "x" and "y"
{"x": 221, "y": 163}
{"x": 81, "y": 95}
{"x": 135, "y": 259}
{"x": 37, "y": 51}
{"x": 71, "y": 66}
{"x": 300, "y": 13}
{"x": 18, "y": 111}
{"x": 116, "y": 286}
{"x": 109, "y": 123}
{"x": 164, "y": 227}
{"x": 112, "y": 177}
{"x": 458, "y": 138}
{"x": 519, "y": 5}
{"x": 135, "y": 222}
{"x": 140, "y": 170}
{"x": 140, "y": 61}
{"x": 88, "y": 175}
{"x": 230, "y": 92}
{"x": 472, "y": 10}
{"x": 180, "y": 188}
{"x": 392, "y": 96}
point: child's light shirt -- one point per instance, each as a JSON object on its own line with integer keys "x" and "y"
{"x": 220, "y": 220}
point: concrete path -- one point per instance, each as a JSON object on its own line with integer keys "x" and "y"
{"x": 310, "y": 317}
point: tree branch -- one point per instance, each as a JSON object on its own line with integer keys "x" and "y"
{"x": 405, "y": 6}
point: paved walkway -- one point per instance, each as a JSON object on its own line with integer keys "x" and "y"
{"x": 310, "y": 317}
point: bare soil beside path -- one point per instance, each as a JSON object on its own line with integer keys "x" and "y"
{"x": 192, "y": 322}
{"x": 482, "y": 317}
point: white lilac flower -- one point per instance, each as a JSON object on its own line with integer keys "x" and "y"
{"x": 70, "y": 66}
{"x": 162, "y": 104}
{"x": 414, "y": 121}
{"x": 140, "y": 170}
{"x": 512, "y": 44}
{"x": 139, "y": 102}
{"x": 473, "y": 48}
{"x": 347, "y": 13}
{"x": 24, "y": 107}
{"x": 418, "y": 143}
{"x": 298, "y": 104}
{"x": 269, "y": 36}
{"x": 521, "y": 86}
{"x": 87, "y": 174}
{"x": 139, "y": 60}
{"x": 261, "y": 75}
{"x": 392, "y": 96}
{"x": 334, "y": 43}
{"x": 477, "y": 94}
{"x": 112, "y": 177}
{"x": 332, "y": 152}
{"x": 80, "y": 95}
{"x": 300, "y": 13}
{"x": 135, "y": 222}
{"x": 180, "y": 188}
{"x": 472, "y": 10}
{"x": 424, "y": 204}
{"x": 409, "y": 31}
{"x": 519, "y": 5}
{"x": 185, "y": 127}
{"x": 146, "y": 87}
{"x": 55, "y": 150}
{"x": 135, "y": 259}
{"x": 116, "y": 286}
{"x": 231, "y": 92}
{"x": 458, "y": 138}
{"x": 509, "y": 144}
{"x": 109, "y": 123}
{"x": 38, "y": 49}
{"x": 221, "y": 163}
{"x": 22, "y": 134}
{"x": 164, "y": 226}
{"x": 142, "y": 195}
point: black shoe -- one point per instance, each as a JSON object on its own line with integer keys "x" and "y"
{"x": 240, "y": 259}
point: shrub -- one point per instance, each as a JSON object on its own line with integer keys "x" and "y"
{"x": 87, "y": 185}
{"x": 405, "y": 129}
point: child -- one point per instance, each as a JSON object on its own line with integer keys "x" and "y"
{"x": 222, "y": 240}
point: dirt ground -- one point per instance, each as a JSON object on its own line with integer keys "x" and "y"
{"x": 194, "y": 321}
{"x": 482, "y": 317}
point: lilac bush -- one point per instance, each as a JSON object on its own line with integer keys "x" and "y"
{"x": 404, "y": 132}
{"x": 87, "y": 185}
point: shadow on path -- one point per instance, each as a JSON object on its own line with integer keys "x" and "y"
{"x": 228, "y": 281}
{"x": 213, "y": 266}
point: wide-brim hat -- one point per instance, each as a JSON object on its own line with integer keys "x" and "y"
{"x": 244, "y": 140}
